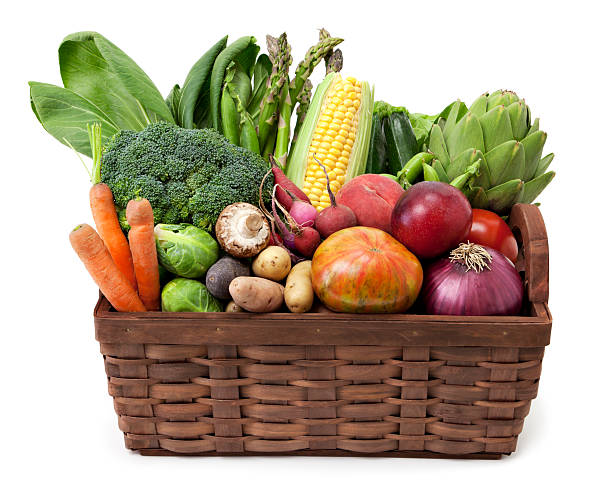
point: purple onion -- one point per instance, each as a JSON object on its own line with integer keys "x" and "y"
{"x": 474, "y": 281}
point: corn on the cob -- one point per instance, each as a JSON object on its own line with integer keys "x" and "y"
{"x": 336, "y": 133}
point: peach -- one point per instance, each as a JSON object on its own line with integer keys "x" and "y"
{"x": 372, "y": 198}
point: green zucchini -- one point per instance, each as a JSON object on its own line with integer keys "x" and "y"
{"x": 401, "y": 142}
{"x": 377, "y": 155}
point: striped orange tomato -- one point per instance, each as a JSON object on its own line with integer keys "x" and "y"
{"x": 365, "y": 270}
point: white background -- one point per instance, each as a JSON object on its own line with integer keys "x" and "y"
{"x": 58, "y": 423}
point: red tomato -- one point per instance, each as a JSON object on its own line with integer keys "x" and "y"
{"x": 490, "y": 230}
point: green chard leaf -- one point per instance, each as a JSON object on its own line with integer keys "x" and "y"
{"x": 195, "y": 96}
{"x": 65, "y": 115}
{"x": 97, "y": 70}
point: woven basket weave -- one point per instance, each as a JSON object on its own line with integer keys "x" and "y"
{"x": 331, "y": 384}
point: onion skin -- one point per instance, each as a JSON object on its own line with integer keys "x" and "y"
{"x": 449, "y": 290}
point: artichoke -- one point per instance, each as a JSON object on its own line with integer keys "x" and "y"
{"x": 491, "y": 151}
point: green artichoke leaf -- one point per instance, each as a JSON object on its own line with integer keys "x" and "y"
{"x": 501, "y": 97}
{"x": 437, "y": 145}
{"x": 478, "y": 197}
{"x": 437, "y": 166}
{"x": 534, "y": 187}
{"x": 451, "y": 115}
{"x": 533, "y": 144}
{"x": 544, "y": 163}
{"x": 496, "y": 127}
{"x": 465, "y": 135}
{"x": 506, "y": 162}
{"x": 502, "y": 197}
{"x": 461, "y": 162}
{"x": 483, "y": 179}
{"x": 479, "y": 107}
{"x": 519, "y": 114}
{"x": 535, "y": 127}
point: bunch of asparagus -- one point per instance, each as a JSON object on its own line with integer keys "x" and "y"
{"x": 256, "y": 108}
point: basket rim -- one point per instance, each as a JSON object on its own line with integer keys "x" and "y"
{"x": 322, "y": 328}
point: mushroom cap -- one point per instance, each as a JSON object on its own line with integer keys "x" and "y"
{"x": 242, "y": 230}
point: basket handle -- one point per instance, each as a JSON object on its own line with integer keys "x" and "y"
{"x": 528, "y": 225}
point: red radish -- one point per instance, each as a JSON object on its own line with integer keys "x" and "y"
{"x": 335, "y": 217}
{"x": 430, "y": 218}
{"x": 303, "y": 213}
{"x": 307, "y": 241}
{"x": 286, "y": 186}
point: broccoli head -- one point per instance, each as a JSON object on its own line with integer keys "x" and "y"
{"x": 188, "y": 175}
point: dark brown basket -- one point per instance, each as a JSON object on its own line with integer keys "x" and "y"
{"x": 331, "y": 384}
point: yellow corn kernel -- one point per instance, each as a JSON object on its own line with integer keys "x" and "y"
{"x": 334, "y": 127}
{"x": 331, "y": 174}
{"x": 335, "y": 185}
{"x": 343, "y": 160}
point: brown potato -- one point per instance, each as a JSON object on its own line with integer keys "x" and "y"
{"x": 299, "y": 294}
{"x": 255, "y": 294}
{"x": 273, "y": 263}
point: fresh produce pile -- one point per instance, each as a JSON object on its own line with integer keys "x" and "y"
{"x": 210, "y": 201}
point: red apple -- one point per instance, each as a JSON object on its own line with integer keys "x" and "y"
{"x": 430, "y": 218}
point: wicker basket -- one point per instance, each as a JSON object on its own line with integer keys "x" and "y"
{"x": 331, "y": 384}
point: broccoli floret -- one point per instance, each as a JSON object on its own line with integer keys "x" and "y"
{"x": 186, "y": 174}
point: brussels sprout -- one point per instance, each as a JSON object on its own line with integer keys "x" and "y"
{"x": 184, "y": 294}
{"x": 185, "y": 250}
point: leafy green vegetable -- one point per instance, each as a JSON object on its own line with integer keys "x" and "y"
{"x": 262, "y": 70}
{"x": 195, "y": 95}
{"x": 172, "y": 100}
{"x": 96, "y": 69}
{"x": 185, "y": 250}
{"x": 183, "y": 294}
{"x": 188, "y": 175}
{"x": 243, "y": 51}
{"x": 65, "y": 115}
{"x": 101, "y": 84}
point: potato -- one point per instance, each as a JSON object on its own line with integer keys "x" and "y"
{"x": 273, "y": 263}
{"x": 232, "y": 307}
{"x": 255, "y": 294}
{"x": 298, "y": 290}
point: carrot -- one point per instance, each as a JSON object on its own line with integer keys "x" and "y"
{"x": 107, "y": 223}
{"x": 100, "y": 265}
{"x": 139, "y": 215}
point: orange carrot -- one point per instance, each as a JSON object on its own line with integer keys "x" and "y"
{"x": 100, "y": 265}
{"x": 139, "y": 215}
{"x": 105, "y": 217}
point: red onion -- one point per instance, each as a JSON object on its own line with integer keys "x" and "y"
{"x": 473, "y": 281}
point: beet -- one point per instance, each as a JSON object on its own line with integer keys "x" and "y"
{"x": 335, "y": 217}
{"x": 307, "y": 241}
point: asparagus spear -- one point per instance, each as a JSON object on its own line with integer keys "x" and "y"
{"x": 280, "y": 54}
{"x": 333, "y": 59}
{"x": 314, "y": 55}
{"x": 282, "y": 133}
{"x": 303, "y": 104}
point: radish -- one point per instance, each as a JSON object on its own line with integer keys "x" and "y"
{"x": 303, "y": 213}
{"x": 336, "y": 216}
{"x": 307, "y": 241}
{"x": 286, "y": 187}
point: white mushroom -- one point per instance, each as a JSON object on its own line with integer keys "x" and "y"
{"x": 242, "y": 230}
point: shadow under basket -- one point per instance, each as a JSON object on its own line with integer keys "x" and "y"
{"x": 402, "y": 385}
